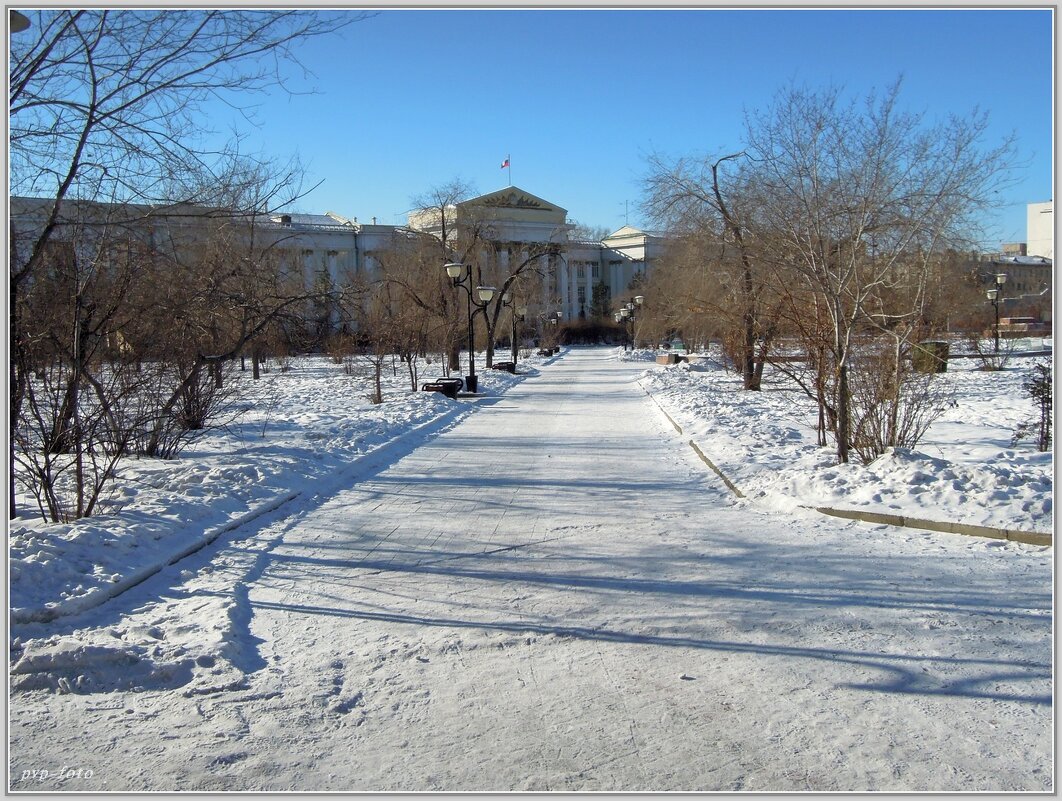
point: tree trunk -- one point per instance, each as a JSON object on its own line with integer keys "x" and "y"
{"x": 377, "y": 396}
{"x": 18, "y": 375}
{"x": 16, "y": 403}
{"x": 154, "y": 442}
{"x": 893, "y": 434}
{"x": 749, "y": 373}
{"x": 489, "y": 324}
{"x": 844, "y": 422}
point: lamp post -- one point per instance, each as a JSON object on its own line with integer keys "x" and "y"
{"x": 521, "y": 316}
{"x": 996, "y": 295}
{"x": 517, "y": 313}
{"x": 485, "y": 293}
{"x": 547, "y": 324}
{"x": 627, "y": 316}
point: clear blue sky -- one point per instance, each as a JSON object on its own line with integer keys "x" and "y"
{"x": 411, "y": 99}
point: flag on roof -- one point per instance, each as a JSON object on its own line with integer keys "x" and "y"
{"x": 505, "y": 163}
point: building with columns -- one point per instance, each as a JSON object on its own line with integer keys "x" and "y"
{"x": 514, "y": 224}
{"x": 520, "y": 226}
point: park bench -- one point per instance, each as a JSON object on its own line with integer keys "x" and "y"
{"x": 545, "y": 351}
{"x": 447, "y": 386}
{"x": 509, "y": 367}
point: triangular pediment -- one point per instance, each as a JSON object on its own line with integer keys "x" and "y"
{"x": 627, "y": 230}
{"x": 513, "y": 197}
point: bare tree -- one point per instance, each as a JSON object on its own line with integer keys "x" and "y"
{"x": 435, "y": 215}
{"x": 104, "y": 106}
{"x": 510, "y": 277}
{"x": 102, "y": 102}
{"x": 860, "y": 198}
{"x": 421, "y": 294}
{"x": 716, "y": 212}
{"x": 68, "y": 433}
{"x": 587, "y": 233}
{"x": 466, "y": 235}
{"x": 848, "y": 207}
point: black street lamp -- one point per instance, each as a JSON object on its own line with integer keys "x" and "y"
{"x": 518, "y": 313}
{"x": 547, "y": 322}
{"x": 485, "y": 293}
{"x": 627, "y": 316}
{"x": 996, "y": 295}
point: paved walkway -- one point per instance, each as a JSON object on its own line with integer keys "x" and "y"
{"x": 556, "y": 594}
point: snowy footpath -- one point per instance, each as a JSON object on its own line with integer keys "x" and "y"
{"x": 553, "y": 593}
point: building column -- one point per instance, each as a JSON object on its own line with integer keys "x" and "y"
{"x": 588, "y": 276}
{"x": 308, "y": 272}
{"x": 547, "y": 265}
{"x": 563, "y": 274}
{"x": 503, "y": 260}
{"x": 571, "y": 310}
{"x": 333, "y": 267}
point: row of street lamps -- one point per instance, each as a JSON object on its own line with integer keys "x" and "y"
{"x": 481, "y": 296}
{"x": 485, "y": 295}
{"x": 627, "y": 316}
{"x": 518, "y": 314}
{"x": 478, "y": 300}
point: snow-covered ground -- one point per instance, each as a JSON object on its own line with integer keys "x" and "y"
{"x": 540, "y": 589}
{"x": 299, "y": 430}
{"x": 963, "y": 470}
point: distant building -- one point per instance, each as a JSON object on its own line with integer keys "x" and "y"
{"x": 331, "y": 247}
{"x": 1040, "y": 229}
{"x": 1027, "y": 290}
{"x": 519, "y": 224}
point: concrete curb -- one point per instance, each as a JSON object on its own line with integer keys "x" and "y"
{"x": 883, "y": 518}
{"x": 969, "y": 530}
{"x": 730, "y": 484}
{"x": 716, "y": 470}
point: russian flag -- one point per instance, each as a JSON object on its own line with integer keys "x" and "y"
{"x": 505, "y": 163}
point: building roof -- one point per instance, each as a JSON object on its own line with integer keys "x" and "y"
{"x": 1028, "y": 260}
{"x": 629, "y": 231}
{"x": 515, "y": 198}
{"x": 308, "y": 220}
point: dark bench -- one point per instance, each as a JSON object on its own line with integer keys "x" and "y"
{"x": 509, "y": 367}
{"x": 545, "y": 351}
{"x": 447, "y": 386}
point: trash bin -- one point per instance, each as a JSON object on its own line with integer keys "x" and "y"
{"x": 930, "y": 357}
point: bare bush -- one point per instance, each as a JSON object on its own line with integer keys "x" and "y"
{"x": 892, "y": 404}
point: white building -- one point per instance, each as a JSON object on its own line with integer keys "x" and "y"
{"x": 517, "y": 225}
{"x": 520, "y": 225}
{"x": 1040, "y": 229}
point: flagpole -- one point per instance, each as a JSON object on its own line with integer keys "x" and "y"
{"x": 508, "y": 160}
